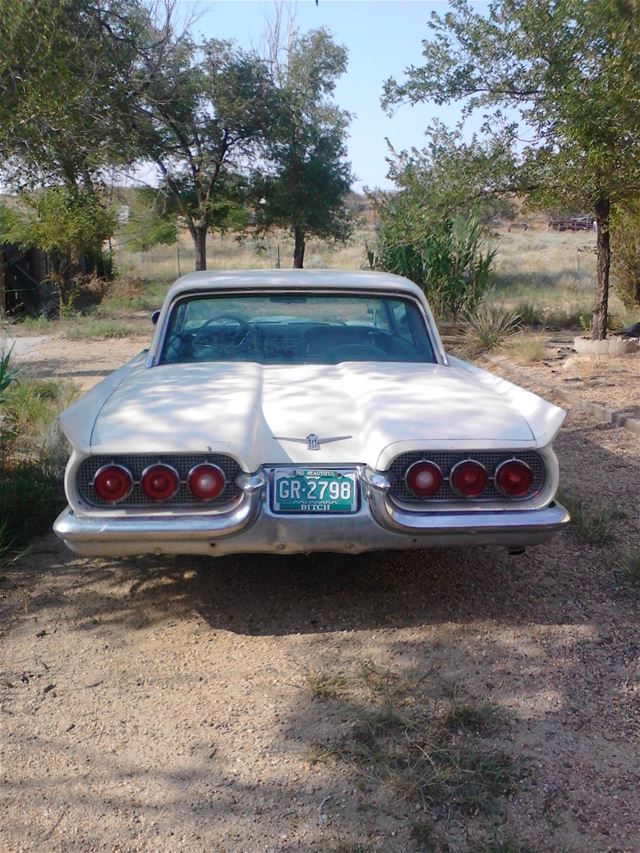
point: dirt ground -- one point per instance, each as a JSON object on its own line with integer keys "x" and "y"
{"x": 611, "y": 382}
{"x": 164, "y": 704}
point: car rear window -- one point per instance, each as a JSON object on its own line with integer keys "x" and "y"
{"x": 293, "y": 328}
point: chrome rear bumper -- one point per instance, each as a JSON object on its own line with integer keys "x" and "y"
{"x": 252, "y": 527}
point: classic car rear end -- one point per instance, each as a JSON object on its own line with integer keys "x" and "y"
{"x": 295, "y": 411}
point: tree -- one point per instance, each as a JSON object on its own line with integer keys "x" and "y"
{"x": 198, "y": 120}
{"x": 70, "y": 71}
{"x": 303, "y": 185}
{"x": 69, "y": 224}
{"x": 570, "y": 71}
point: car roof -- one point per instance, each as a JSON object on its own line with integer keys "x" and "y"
{"x": 319, "y": 279}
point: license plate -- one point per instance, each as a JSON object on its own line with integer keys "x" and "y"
{"x": 314, "y": 490}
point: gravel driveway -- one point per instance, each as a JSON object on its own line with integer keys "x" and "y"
{"x": 197, "y": 705}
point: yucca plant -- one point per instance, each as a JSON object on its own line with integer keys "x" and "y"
{"x": 489, "y": 324}
{"x": 6, "y": 373}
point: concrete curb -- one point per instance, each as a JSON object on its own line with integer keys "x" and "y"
{"x": 602, "y": 413}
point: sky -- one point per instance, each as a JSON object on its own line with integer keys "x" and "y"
{"x": 383, "y": 38}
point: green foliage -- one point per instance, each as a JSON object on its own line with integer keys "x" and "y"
{"x": 33, "y": 452}
{"x": 205, "y": 109}
{"x": 148, "y": 224}
{"x": 304, "y": 184}
{"x": 30, "y": 498}
{"x": 570, "y": 70}
{"x": 451, "y": 262}
{"x": 69, "y": 75}
{"x": 58, "y": 220}
{"x": 30, "y": 428}
{"x": 625, "y": 263}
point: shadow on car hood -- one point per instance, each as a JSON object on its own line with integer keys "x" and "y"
{"x": 247, "y": 410}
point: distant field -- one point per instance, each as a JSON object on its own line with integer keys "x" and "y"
{"x": 547, "y": 275}
{"x": 229, "y": 252}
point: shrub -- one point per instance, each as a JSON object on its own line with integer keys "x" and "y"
{"x": 33, "y": 453}
{"x": 30, "y": 497}
{"x": 452, "y": 263}
{"x": 591, "y": 523}
{"x": 30, "y": 427}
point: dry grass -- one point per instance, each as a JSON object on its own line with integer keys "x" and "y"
{"x": 633, "y": 571}
{"x": 165, "y": 263}
{"x": 527, "y": 348}
{"x": 549, "y": 277}
{"x": 422, "y": 742}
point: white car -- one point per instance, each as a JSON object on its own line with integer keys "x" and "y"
{"x": 298, "y": 411}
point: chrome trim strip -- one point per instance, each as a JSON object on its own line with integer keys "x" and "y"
{"x": 155, "y": 351}
{"x": 91, "y": 529}
{"x": 392, "y": 517}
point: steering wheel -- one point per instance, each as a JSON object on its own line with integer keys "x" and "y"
{"x": 242, "y": 325}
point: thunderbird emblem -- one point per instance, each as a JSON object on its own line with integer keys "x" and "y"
{"x": 313, "y": 441}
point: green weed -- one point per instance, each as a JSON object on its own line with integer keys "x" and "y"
{"x": 97, "y": 330}
{"x": 633, "y": 571}
{"x": 324, "y": 685}
{"x": 591, "y": 523}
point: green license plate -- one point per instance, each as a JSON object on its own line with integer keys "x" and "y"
{"x": 314, "y": 490}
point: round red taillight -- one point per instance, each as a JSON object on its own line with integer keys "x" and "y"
{"x": 424, "y": 479}
{"x": 112, "y": 483}
{"x": 160, "y": 482}
{"x": 468, "y": 479}
{"x": 514, "y": 478}
{"x": 206, "y": 481}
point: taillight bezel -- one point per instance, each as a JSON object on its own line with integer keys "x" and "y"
{"x": 176, "y": 482}
{"x": 439, "y": 478}
{"x": 519, "y": 497}
{"x": 458, "y": 491}
{"x": 122, "y": 469}
{"x": 217, "y": 470}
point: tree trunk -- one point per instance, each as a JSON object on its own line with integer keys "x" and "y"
{"x": 199, "y": 235}
{"x": 601, "y": 306}
{"x": 298, "y": 251}
{"x": 77, "y": 263}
